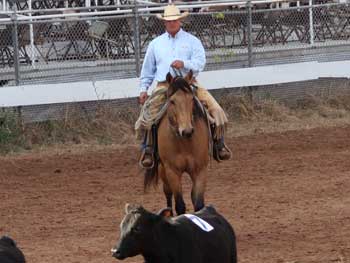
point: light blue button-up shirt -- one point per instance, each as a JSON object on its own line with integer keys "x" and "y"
{"x": 164, "y": 49}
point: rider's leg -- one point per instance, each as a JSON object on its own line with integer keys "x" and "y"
{"x": 151, "y": 109}
{"x": 220, "y": 150}
{"x": 216, "y": 112}
{"x": 147, "y": 156}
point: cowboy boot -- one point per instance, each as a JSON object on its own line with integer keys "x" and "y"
{"x": 147, "y": 156}
{"x": 224, "y": 151}
{"x": 147, "y": 161}
{"x": 221, "y": 152}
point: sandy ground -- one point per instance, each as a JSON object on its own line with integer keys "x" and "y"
{"x": 286, "y": 194}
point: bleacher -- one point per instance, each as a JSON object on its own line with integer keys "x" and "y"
{"x": 68, "y": 40}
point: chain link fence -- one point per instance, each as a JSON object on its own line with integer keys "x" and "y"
{"x": 65, "y": 41}
{"x": 109, "y": 43}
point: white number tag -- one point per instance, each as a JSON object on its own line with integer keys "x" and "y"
{"x": 199, "y": 222}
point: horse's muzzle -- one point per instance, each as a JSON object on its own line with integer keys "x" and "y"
{"x": 117, "y": 254}
{"x": 186, "y": 133}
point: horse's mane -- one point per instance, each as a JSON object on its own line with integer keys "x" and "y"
{"x": 179, "y": 83}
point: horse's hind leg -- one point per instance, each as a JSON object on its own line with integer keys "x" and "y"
{"x": 174, "y": 181}
{"x": 198, "y": 188}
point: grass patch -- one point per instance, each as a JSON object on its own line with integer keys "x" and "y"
{"x": 11, "y": 132}
{"x": 104, "y": 126}
{"x": 268, "y": 115}
{"x": 112, "y": 125}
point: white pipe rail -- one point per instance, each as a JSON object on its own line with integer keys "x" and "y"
{"x": 127, "y": 11}
{"x": 83, "y": 14}
{"x": 144, "y": 3}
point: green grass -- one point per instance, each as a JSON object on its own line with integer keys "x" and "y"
{"x": 11, "y": 132}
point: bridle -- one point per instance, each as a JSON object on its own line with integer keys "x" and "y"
{"x": 184, "y": 86}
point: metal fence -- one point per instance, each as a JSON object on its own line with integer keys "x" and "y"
{"x": 91, "y": 43}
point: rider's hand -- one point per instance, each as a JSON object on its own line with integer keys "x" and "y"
{"x": 178, "y": 64}
{"x": 143, "y": 97}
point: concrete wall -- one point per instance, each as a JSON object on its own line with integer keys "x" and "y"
{"x": 127, "y": 88}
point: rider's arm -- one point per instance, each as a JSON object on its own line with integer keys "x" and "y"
{"x": 148, "y": 69}
{"x": 197, "y": 60}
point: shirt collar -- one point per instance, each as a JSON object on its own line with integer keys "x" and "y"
{"x": 177, "y": 34}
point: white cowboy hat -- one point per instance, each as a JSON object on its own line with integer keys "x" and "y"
{"x": 172, "y": 12}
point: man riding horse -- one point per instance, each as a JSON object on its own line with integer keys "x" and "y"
{"x": 183, "y": 52}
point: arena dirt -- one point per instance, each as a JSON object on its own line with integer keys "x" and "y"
{"x": 286, "y": 194}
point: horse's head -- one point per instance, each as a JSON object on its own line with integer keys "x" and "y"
{"x": 180, "y": 104}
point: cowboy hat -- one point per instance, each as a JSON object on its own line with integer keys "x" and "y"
{"x": 172, "y": 12}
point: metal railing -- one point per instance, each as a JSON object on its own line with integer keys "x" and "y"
{"x": 52, "y": 45}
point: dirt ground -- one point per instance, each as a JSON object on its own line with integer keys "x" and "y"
{"x": 286, "y": 194}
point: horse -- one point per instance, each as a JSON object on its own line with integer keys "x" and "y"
{"x": 183, "y": 145}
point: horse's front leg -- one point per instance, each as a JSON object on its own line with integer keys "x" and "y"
{"x": 166, "y": 187}
{"x": 168, "y": 195}
{"x": 174, "y": 180}
{"x": 199, "y": 182}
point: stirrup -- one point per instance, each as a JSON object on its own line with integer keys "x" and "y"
{"x": 228, "y": 151}
{"x": 217, "y": 147}
{"x": 147, "y": 151}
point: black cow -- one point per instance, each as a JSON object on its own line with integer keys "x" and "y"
{"x": 209, "y": 238}
{"x": 9, "y": 252}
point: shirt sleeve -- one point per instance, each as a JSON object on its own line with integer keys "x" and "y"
{"x": 148, "y": 69}
{"x": 197, "y": 61}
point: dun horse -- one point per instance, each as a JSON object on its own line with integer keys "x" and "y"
{"x": 183, "y": 145}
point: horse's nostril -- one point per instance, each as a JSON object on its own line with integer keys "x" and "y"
{"x": 187, "y": 133}
{"x": 178, "y": 133}
{"x": 116, "y": 253}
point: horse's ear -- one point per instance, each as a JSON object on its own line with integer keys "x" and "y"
{"x": 169, "y": 78}
{"x": 166, "y": 212}
{"x": 131, "y": 207}
{"x": 189, "y": 76}
{"x": 127, "y": 208}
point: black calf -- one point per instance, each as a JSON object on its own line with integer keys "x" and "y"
{"x": 9, "y": 252}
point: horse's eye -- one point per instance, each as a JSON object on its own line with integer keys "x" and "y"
{"x": 136, "y": 229}
{"x": 172, "y": 102}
